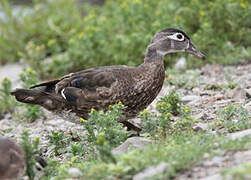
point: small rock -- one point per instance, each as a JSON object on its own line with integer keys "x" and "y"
{"x": 237, "y": 93}
{"x": 200, "y": 116}
{"x": 180, "y": 64}
{"x": 8, "y": 116}
{"x": 74, "y": 172}
{"x": 240, "y": 134}
{"x": 248, "y": 93}
{"x": 190, "y": 98}
{"x": 248, "y": 106}
{"x": 216, "y": 161}
{"x": 213, "y": 177}
{"x": 132, "y": 143}
{"x": 200, "y": 127}
{"x": 151, "y": 171}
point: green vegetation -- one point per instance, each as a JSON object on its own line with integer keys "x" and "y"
{"x": 190, "y": 79}
{"x": 56, "y": 38}
{"x": 161, "y": 123}
{"x": 232, "y": 118}
{"x": 103, "y": 131}
{"x": 31, "y": 150}
{"x": 58, "y": 141}
{"x": 7, "y": 103}
{"x": 238, "y": 172}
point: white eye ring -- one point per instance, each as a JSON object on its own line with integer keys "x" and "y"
{"x": 177, "y": 37}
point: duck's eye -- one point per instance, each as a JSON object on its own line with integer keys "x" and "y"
{"x": 177, "y": 37}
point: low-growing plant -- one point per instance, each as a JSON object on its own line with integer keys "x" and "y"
{"x": 232, "y": 118}
{"x": 189, "y": 79}
{"x": 59, "y": 141}
{"x": 239, "y": 172}
{"x": 7, "y": 103}
{"x": 31, "y": 151}
{"x": 162, "y": 123}
{"x": 104, "y": 132}
{"x": 170, "y": 103}
{"x": 32, "y": 112}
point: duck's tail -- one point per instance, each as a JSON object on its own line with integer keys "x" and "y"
{"x": 32, "y": 96}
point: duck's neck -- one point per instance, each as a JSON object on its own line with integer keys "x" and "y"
{"x": 152, "y": 55}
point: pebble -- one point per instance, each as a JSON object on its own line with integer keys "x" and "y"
{"x": 215, "y": 161}
{"x": 248, "y": 93}
{"x": 240, "y": 134}
{"x": 189, "y": 98}
{"x": 200, "y": 127}
{"x": 132, "y": 143}
{"x": 180, "y": 64}
{"x": 74, "y": 172}
{"x": 151, "y": 171}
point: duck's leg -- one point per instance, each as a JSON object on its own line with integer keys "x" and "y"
{"x": 130, "y": 126}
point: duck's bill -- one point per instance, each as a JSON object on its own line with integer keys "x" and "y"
{"x": 192, "y": 50}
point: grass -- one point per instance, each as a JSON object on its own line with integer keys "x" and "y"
{"x": 7, "y": 103}
{"x": 240, "y": 172}
{"x": 31, "y": 150}
{"x": 231, "y": 119}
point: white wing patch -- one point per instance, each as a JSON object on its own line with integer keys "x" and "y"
{"x": 62, "y": 93}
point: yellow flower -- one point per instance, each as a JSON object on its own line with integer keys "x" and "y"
{"x": 36, "y": 139}
{"x": 20, "y": 54}
{"x": 156, "y": 23}
{"x": 145, "y": 111}
{"x": 80, "y": 35}
{"x": 202, "y": 13}
{"x": 146, "y": 6}
{"x": 136, "y": 1}
{"x": 187, "y": 109}
{"x": 177, "y": 18}
{"x": 159, "y": 12}
{"x": 82, "y": 120}
{"x": 103, "y": 19}
{"x": 71, "y": 40}
{"x": 73, "y": 159}
{"x": 51, "y": 41}
{"x": 29, "y": 70}
{"x": 168, "y": 114}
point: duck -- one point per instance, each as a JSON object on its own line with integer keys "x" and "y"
{"x": 12, "y": 162}
{"x": 74, "y": 95}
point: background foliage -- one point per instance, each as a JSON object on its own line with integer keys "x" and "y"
{"x": 61, "y": 36}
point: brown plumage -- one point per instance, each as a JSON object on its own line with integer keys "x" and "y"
{"x": 135, "y": 87}
{"x": 12, "y": 163}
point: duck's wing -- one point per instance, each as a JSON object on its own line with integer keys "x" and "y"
{"x": 88, "y": 86}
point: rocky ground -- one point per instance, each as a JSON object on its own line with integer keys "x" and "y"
{"x": 204, "y": 90}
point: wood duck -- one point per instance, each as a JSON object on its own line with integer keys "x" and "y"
{"x": 12, "y": 163}
{"x": 136, "y": 87}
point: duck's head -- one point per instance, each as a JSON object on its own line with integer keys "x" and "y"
{"x": 173, "y": 40}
